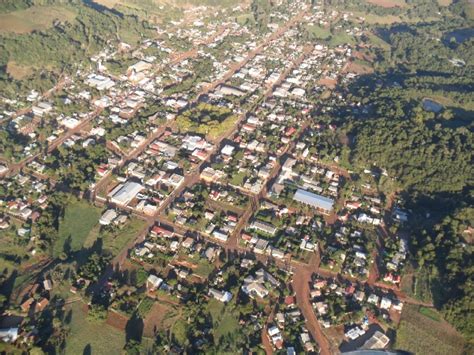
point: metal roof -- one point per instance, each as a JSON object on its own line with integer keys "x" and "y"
{"x": 314, "y": 200}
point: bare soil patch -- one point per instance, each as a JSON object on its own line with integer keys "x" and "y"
{"x": 328, "y": 82}
{"x": 161, "y": 316}
{"x": 357, "y": 68}
{"x": 107, "y": 3}
{"x": 18, "y": 71}
{"x": 116, "y": 320}
{"x": 363, "y": 56}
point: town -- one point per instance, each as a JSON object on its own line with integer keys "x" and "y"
{"x": 203, "y": 200}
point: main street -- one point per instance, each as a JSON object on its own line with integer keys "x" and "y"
{"x": 302, "y": 272}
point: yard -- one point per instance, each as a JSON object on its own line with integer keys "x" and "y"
{"x": 211, "y": 120}
{"x": 224, "y": 321}
{"x": 115, "y": 242}
{"x": 79, "y": 219}
{"x": 162, "y": 316}
{"x": 319, "y": 32}
{"x": 117, "y": 239}
{"x": 91, "y": 337}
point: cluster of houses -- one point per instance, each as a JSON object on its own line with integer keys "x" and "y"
{"x": 288, "y": 323}
{"x": 199, "y": 208}
{"x": 161, "y": 245}
{"x": 23, "y": 202}
{"x": 279, "y": 231}
{"x": 275, "y": 92}
{"x": 333, "y": 300}
{"x": 35, "y": 299}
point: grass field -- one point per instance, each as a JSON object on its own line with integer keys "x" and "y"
{"x": 238, "y": 178}
{"x": 10, "y": 249}
{"x": 445, "y": 2}
{"x": 388, "y": 3}
{"x": 417, "y": 284}
{"x": 376, "y": 19}
{"x": 420, "y": 334}
{"x": 242, "y": 19}
{"x": 430, "y": 313}
{"x": 204, "y": 268}
{"x": 99, "y": 337}
{"x": 378, "y": 42}
{"x": 444, "y": 100}
{"x": 108, "y": 3}
{"x": 14, "y": 256}
{"x": 18, "y": 71}
{"x": 34, "y": 18}
{"x": 79, "y": 219}
{"x": 228, "y": 324}
{"x": 319, "y": 32}
{"x": 207, "y": 119}
{"x": 222, "y": 318}
{"x": 115, "y": 242}
{"x": 341, "y": 38}
{"x": 359, "y": 67}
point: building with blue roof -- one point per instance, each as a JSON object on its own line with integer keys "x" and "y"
{"x": 321, "y": 203}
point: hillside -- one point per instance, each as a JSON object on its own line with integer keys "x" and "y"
{"x": 40, "y": 42}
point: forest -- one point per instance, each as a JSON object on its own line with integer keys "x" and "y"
{"x": 426, "y": 153}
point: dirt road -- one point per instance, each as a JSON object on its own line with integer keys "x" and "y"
{"x": 300, "y": 284}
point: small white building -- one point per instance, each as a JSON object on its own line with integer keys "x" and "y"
{"x": 153, "y": 282}
{"x": 108, "y": 217}
{"x": 223, "y": 296}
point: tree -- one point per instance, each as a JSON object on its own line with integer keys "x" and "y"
{"x": 97, "y": 312}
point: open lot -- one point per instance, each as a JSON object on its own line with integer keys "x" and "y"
{"x": 161, "y": 317}
{"x": 12, "y": 252}
{"x": 91, "y": 337}
{"x": 35, "y": 18}
{"x": 79, "y": 219}
{"x": 225, "y": 322}
{"x": 420, "y": 334}
{"x": 18, "y": 71}
{"x": 116, "y": 241}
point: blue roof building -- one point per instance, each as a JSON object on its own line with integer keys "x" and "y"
{"x": 319, "y": 202}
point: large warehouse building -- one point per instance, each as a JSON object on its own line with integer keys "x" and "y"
{"x": 321, "y": 203}
{"x": 123, "y": 194}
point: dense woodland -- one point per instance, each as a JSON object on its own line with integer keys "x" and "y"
{"x": 427, "y": 155}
